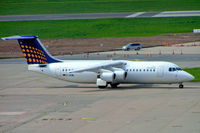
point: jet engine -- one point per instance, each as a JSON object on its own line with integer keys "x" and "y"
{"x": 120, "y": 75}
{"x": 108, "y": 76}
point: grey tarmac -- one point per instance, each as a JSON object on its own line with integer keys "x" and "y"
{"x": 98, "y": 15}
{"x": 34, "y": 103}
{"x": 184, "y": 61}
{"x": 184, "y": 56}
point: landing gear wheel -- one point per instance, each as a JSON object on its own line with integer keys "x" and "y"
{"x": 114, "y": 85}
{"x": 181, "y": 86}
{"x": 102, "y": 87}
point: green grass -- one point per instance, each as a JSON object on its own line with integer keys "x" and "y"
{"x": 13, "y": 7}
{"x": 100, "y": 27}
{"x": 195, "y": 72}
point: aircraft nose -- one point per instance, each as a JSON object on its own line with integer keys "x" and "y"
{"x": 184, "y": 76}
{"x": 190, "y": 77}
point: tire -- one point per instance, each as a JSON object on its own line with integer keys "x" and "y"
{"x": 102, "y": 87}
{"x": 137, "y": 48}
{"x": 181, "y": 86}
{"x": 114, "y": 85}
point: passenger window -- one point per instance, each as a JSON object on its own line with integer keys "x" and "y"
{"x": 140, "y": 70}
{"x": 144, "y": 70}
{"x": 133, "y": 69}
{"x": 154, "y": 70}
{"x": 136, "y": 69}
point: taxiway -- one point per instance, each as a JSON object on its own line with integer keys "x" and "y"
{"x": 34, "y": 103}
{"x": 99, "y": 15}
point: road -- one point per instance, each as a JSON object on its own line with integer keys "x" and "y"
{"x": 185, "y": 57}
{"x": 99, "y": 15}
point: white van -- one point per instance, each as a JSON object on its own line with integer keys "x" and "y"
{"x": 135, "y": 46}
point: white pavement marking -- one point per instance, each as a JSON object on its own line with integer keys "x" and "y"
{"x": 11, "y": 113}
{"x": 135, "y": 15}
{"x": 178, "y": 14}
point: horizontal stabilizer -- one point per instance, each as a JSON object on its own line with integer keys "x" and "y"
{"x": 20, "y": 37}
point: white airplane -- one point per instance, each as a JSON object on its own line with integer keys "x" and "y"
{"x": 99, "y": 72}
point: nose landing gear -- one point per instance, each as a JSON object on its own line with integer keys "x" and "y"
{"x": 181, "y": 86}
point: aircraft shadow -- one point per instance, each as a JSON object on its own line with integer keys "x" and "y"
{"x": 121, "y": 87}
{"x": 70, "y": 86}
{"x": 133, "y": 87}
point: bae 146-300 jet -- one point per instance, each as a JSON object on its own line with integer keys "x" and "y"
{"x": 99, "y": 72}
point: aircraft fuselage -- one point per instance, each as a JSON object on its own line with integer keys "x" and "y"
{"x": 137, "y": 72}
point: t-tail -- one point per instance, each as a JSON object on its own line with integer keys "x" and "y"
{"x": 33, "y": 50}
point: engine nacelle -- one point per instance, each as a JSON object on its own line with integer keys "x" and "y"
{"x": 108, "y": 76}
{"x": 120, "y": 75}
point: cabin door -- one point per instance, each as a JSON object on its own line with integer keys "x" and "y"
{"x": 58, "y": 71}
{"x": 160, "y": 71}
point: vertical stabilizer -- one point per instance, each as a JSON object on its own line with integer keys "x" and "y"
{"x": 33, "y": 50}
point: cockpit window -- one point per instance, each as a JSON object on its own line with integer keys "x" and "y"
{"x": 172, "y": 69}
{"x": 178, "y": 69}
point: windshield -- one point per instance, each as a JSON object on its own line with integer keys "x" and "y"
{"x": 178, "y": 69}
{"x": 172, "y": 69}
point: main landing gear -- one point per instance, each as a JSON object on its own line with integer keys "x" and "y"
{"x": 111, "y": 84}
{"x": 181, "y": 86}
{"x": 102, "y": 87}
{"x": 114, "y": 85}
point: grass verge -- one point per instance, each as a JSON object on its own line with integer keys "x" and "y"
{"x": 195, "y": 72}
{"x": 22, "y": 7}
{"x": 125, "y": 27}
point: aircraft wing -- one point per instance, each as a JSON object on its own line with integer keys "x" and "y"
{"x": 100, "y": 66}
